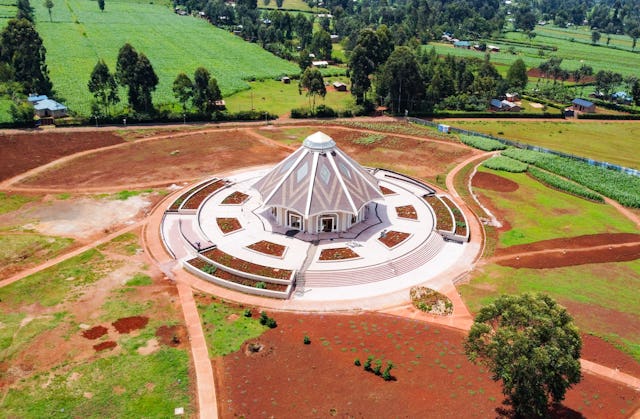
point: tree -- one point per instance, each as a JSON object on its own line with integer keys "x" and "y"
{"x": 22, "y": 49}
{"x": 321, "y": 45}
{"x": 635, "y": 92}
{"x": 102, "y": 85}
{"x": 401, "y": 82}
{"x": 101, "y": 5}
{"x": 360, "y": 67}
{"x": 183, "y": 89}
{"x": 595, "y": 37}
{"x": 314, "y": 83}
{"x": 25, "y": 11}
{"x": 49, "y": 5}
{"x": 202, "y": 96}
{"x": 531, "y": 344}
{"x": 146, "y": 82}
{"x": 517, "y": 78}
{"x": 125, "y": 72}
{"x": 606, "y": 81}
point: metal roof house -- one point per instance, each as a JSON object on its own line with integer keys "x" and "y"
{"x": 581, "y": 105}
{"x": 318, "y": 188}
{"x": 50, "y": 108}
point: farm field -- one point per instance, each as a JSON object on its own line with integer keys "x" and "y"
{"x": 290, "y": 5}
{"x": 574, "y": 54}
{"x": 613, "y": 142}
{"x": 97, "y": 35}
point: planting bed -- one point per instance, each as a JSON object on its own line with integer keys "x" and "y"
{"x": 433, "y": 376}
{"x": 129, "y": 324}
{"x": 268, "y": 248}
{"x": 407, "y": 211}
{"x": 226, "y": 259}
{"x": 492, "y": 182}
{"x": 461, "y": 225}
{"x": 338, "y": 253}
{"x": 176, "y": 204}
{"x": 228, "y": 276}
{"x": 235, "y": 198}
{"x": 443, "y": 217}
{"x": 95, "y": 332}
{"x": 393, "y": 238}
{"x": 387, "y": 191}
{"x": 197, "y": 199}
{"x": 228, "y": 225}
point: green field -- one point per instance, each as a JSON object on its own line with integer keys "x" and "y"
{"x": 574, "y": 54}
{"x": 173, "y": 44}
{"x": 291, "y": 5}
{"x": 279, "y": 98}
{"x": 587, "y": 289}
{"x": 7, "y": 11}
{"x": 613, "y": 142}
{"x": 536, "y": 213}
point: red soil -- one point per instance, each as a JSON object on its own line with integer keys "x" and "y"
{"x": 387, "y": 191}
{"x": 235, "y": 198}
{"x": 175, "y": 336}
{"x": 601, "y": 352}
{"x": 95, "y": 332}
{"x": 227, "y": 225}
{"x": 268, "y": 248}
{"x": 561, "y": 257}
{"x": 578, "y": 242}
{"x": 393, "y": 238}
{"x": 338, "y": 253}
{"x": 109, "y": 344}
{"x": 434, "y": 378}
{"x": 128, "y": 324}
{"x": 407, "y": 211}
{"x": 22, "y": 152}
{"x": 493, "y": 182}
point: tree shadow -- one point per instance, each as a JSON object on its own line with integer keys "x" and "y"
{"x": 556, "y": 411}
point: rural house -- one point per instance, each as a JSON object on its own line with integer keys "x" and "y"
{"x": 582, "y": 105}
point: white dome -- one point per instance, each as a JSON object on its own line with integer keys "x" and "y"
{"x": 319, "y": 142}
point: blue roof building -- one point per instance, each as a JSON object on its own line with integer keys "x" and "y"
{"x": 50, "y": 108}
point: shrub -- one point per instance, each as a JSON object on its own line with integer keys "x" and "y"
{"x": 357, "y": 362}
{"x": 386, "y": 375}
{"x": 263, "y": 318}
{"x": 378, "y": 368}
{"x": 481, "y": 143}
{"x": 306, "y": 340}
{"x": 261, "y": 285}
{"x": 247, "y": 313}
{"x": 271, "y": 323}
{"x": 209, "y": 269}
{"x": 505, "y": 164}
{"x": 367, "y": 363}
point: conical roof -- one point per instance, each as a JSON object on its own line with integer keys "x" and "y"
{"x": 318, "y": 178}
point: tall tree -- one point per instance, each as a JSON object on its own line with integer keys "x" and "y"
{"x": 531, "y": 344}
{"x": 635, "y": 92}
{"x": 183, "y": 89}
{"x": 517, "y": 78}
{"x": 126, "y": 73}
{"x": 314, "y": 83}
{"x": 101, "y": 5}
{"x": 401, "y": 83}
{"x": 595, "y": 37}
{"x": 202, "y": 95}
{"x": 102, "y": 85}
{"x": 49, "y": 5}
{"x": 146, "y": 82}
{"x": 606, "y": 81}
{"x": 321, "y": 45}
{"x": 25, "y": 11}
{"x": 360, "y": 67}
{"x": 22, "y": 49}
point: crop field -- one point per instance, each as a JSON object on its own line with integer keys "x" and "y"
{"x": 172, "y": 43}
{"x": 613, "y": 142}
{"x": 7, "y": 11}
{"x": 574, "y": 54}
{"x": 290, "y": 5}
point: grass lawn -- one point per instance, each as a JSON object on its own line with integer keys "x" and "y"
{"x": 172, "y": 43}
{"x": 536, "y": 212}
{"x": 290, "y": 5}
{"x": 613, "y": 142}
{"x": 29, "y": 249}
{"x": 13, "y": 202}
{"x": 588, "y": 291}
{"x": 279, "y": 98}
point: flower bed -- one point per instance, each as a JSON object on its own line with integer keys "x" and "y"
{"x": 393, "y": 238}
{"x": 228, "y": 225}
{"x": 407, "y": 211}
{"x": 228, "y": 276}
{"x": 226, "y": 259}
{"x": 235, "y": 198}
{"x": 197, "y": 199}
{"x": 443, "y": 217}
{"x": 431, "y": 301}
{"x": 268, "y": 248}
{"x": 387, "y": 191}
{"x": 339, "y": 253}
{"x": 461, "y": 225}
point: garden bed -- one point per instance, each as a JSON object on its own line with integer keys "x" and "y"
{"x": 176, "y": 204}
{"x": 407, "y": 211}
{"x": 461, "y": 224}
{"x": 387, "y": 191}
{"x": 268, "y": 248}
{"x": 431, "y": 301}
{"x": 443, "y": 217}
{"x": 199, "y": 197}
{"x": 226, "y": 259}
{"x": 228, "y": 225}
{"x": 393, "y": 238}
{"x": 339, "y": 253}
{"x": 235, "y": 198}
{"x": 228, "y": 276}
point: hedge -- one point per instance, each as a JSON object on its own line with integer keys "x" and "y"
{"x": 505, "y": 164}
{"x": 564, "y": 185}
{"x": 485, "y": 144}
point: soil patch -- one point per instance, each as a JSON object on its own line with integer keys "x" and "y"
{"x": 95, "y": 332}
{"x": 175, "y": 336}
{"x": 393, "y": 238}
{"x": 560, "y": 258}
{"x": 602, "y": 352}
{"x": 433, "y": 376}
{"x": 493, "y": 182}
{"x": 103, "y": 346}
{"x": 387, "y": 191}
{"x": 338, "y": 253}
{"x": 235, "y": 198}
{"x": 407, "y": 211}
{"x": 22, "y": 152}
{"x": 226, "y": 259}
{"x": 577, "y": 242}
{"x": 268, "y": 248}
{"x": 129, "y": 324}
{"x": 227, "y": 225}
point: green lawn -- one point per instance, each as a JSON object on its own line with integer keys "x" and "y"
{"x": 613, "y": 142}
{"x": 290, "y": 5}
{"x": 29, "y": 248}
{"x": 279, "y": 98}
{"x": 536, "y": 213}
{"x": 589, "y": 289}
{"x": 173, "y": 44}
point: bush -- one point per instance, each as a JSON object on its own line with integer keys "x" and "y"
{"x": 306, "y": 340}
{"x": 271, "y": 323}
{"x": 209, "y": 269}
{"x": 505, "y": 164}
{"x": 386, "y": 375}
{"x": 378, "y": 368}
{"x": 367, "y": 363}
{"x": 263, "y": 318}
{"x": 481, "y": 143}
{"x": 564, "y": 185}
{"x": 357, "y": 362}
{"x": 262, "y": 285}
{"x": 247, "y": 313}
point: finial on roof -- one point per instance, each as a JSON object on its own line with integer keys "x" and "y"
{"x": 319, "y": 142}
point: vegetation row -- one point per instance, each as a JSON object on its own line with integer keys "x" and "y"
{"x": 563, "y": 184}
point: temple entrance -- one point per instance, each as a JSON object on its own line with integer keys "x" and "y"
{"x": 327, "y": 224}
{"x": 295, "y": 221}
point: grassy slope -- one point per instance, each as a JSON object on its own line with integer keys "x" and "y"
{"x": 613, "y": 142}
{"x": 172, "y": 43}
{"x": 536, "y": 213}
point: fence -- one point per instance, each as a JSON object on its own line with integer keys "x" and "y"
{"x": 591, "y": 162}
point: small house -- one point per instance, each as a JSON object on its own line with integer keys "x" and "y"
{"x": 50, "y": 108}
{"x": 339, "y": 86}
{"x": 622, "y": 98}
{"x": 510, "y": 106}
{"x": 320, "y": 64}
{"x": 512, "y": 97}
{"x": 493, "y": 48}
{"x": 220, "y": 105}
{"x": 286, "y": 80}
{"x": 33, "y": 99}
{"x": 582, "y": 105}
{"x": 495, "y": 105}
{"x": 334, "y": 38}
{"x": 462, "y": 44}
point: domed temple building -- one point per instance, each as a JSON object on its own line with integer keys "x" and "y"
{"x": 318, "y": 188}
